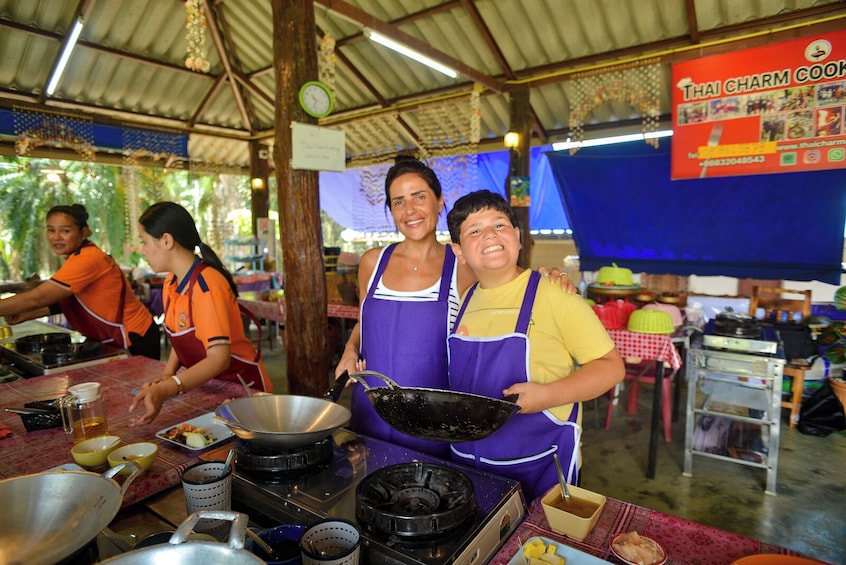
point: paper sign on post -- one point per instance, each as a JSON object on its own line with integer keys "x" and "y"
{"x": 315, "y": 148}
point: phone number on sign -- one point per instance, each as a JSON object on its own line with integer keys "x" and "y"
{"x": 730, "y": 161}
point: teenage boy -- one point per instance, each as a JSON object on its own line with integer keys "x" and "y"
{"x": 516, "y": 334}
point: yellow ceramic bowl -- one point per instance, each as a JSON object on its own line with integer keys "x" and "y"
{"x": 143, "y": 454}
{"x": 574, "y": 518}
{"x": 93, "y": 453}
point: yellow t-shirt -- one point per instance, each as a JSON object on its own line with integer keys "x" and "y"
{"x": 563, "y": 329}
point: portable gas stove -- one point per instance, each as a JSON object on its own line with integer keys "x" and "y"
{"x": 410, "y": 507}
{"x": 33, "y": 363}
{"x": 751, "y": 337}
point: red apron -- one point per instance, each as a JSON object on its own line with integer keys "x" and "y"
{"x": 191, "y": 350}
{"x": 91, "y": 325}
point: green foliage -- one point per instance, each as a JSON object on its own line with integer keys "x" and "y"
{"x": 26, "y": 194}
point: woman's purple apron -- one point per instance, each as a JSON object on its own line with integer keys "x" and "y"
{"x": 522, "y": 448}
{"x": 191, "y": 351}
{"x": 407, "y": 342}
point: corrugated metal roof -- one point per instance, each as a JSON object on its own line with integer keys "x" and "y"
{"x": 129, "y": 63}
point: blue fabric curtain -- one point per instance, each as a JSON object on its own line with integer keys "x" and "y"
{"x": 625, "y": 209}
{"x": 351, "y": 200}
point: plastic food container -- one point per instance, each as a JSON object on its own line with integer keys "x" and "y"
{"x": 614, "y": 276}
{"x": 672, "y": 310}
{"x": 651, "y": 322}
{"x": 585, "y": 508}
{"x": 609, "y": 316}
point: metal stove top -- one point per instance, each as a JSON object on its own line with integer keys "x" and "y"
{"x": 331, "y": 492}
{"x": 31, "y": 364}
{"x": 765, "y": 343}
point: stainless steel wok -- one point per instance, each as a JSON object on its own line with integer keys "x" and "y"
{"x": 282, "y": 420}
{"x": 177, "y": 552}
{"x": 50, "y": 516}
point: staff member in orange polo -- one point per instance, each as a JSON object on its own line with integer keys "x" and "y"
{"x": 89, "y": 289}
{"x": 202, "y": 316}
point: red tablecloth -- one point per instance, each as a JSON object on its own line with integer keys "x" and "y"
{"x": 31, "y": 452}
{"x": 686, "y": 542}
{"x": 647, "y": 346}
{"x": 275, "y": 310}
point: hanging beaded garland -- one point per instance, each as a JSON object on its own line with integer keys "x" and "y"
{"x": 141, "y": 145}
{"x": 195, "y": 37}
{"x": 36, "y": 128}
{"x": 638, "y": 85}
{"x": 326, "y": 61}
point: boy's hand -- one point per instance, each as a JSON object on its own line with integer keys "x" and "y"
{"x": 531, "y": 399}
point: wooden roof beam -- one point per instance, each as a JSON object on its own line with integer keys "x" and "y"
{"x": 364, "y": 19}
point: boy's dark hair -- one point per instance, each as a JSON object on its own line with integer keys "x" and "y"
{"x": 406, "y": 164}
{"x": 476, "y": 202}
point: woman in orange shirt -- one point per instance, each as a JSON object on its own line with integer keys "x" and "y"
{"x": 89, "y": 289}
{"x": 202, "y": 316}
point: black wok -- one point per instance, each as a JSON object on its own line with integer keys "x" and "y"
{"x": 284, "y": 421}
{"x": 50, "y": 516}
{"x": 435, "y": 414}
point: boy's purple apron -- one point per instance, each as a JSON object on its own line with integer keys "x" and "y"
{"x": 407, "y": 342}
{"x": 522, "y": 448}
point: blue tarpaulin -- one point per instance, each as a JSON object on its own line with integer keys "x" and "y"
{"x": 624, "y": 209}
{"x": 358, "y": 193}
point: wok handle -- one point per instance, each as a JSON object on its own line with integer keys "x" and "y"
{"x": 385, "y": 378}
{"x": 231, "y": 424}
{"x": 334, "y": 392}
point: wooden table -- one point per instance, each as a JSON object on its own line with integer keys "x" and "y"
{"x": 662, "y": 349}
{"x": 273, "y": 311}
{"x": 686, "y": 542}
{"x": 32, "y": 452}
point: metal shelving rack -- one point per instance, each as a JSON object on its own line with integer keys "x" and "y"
{"x": 733, "y": 409}
{"x": 245, "y": 252}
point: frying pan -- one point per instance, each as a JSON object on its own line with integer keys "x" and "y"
{"x": 435, "y": 414}
{"x": 284, "y": 421}
{"x": 66, "y": 353}
{"x": 35, "y": 343}
{"x": 50, "y": 516}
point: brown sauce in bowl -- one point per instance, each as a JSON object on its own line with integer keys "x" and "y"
{"x": 575, "y": 506}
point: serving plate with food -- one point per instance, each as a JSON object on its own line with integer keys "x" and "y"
{"x": 197, "y": 433}
{"x": 539, "y": 550}
{"x": 634, "y": 549}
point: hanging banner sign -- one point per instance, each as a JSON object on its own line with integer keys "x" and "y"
{"x": 773, "y": 109}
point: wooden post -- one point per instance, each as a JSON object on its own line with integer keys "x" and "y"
{"x": 519, "y": 166}
{"x": 295, "y": 62}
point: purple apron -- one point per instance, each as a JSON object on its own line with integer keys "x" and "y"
{"x": 407, "y": 342}
{"x": 522, "y": 448}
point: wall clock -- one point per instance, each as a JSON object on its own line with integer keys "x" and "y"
{"x": 316, "y": 99}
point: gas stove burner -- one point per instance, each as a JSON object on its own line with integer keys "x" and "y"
{"x": 282, "y": 464}
{"x": 415, "y": 499}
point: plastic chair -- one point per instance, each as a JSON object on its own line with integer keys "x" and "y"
{"x": 643, "y": 371}
{"x": 784, "y": 305}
